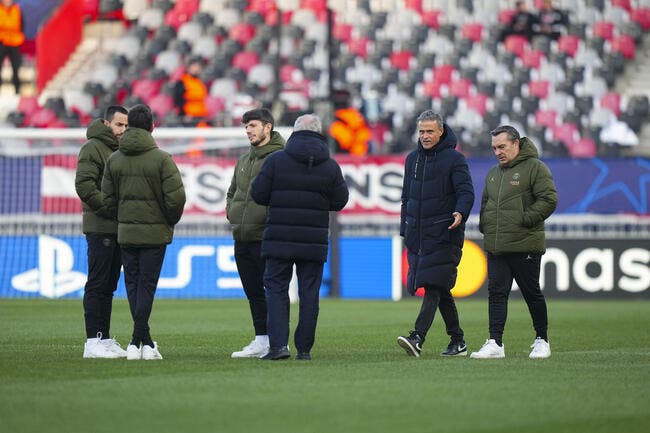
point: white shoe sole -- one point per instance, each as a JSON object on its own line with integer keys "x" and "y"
{"x": 408, "y": 347}
{"x": 476, "y": 356}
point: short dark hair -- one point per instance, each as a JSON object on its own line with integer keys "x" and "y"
{"x": 510, "y": 131}
{"x": 112, "y": 109}
{"x": 140, "y": 116}
{"x": 261, "y": 114}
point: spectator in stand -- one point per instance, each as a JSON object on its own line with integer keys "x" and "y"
{"x": 104, "y": 260}
{"x": 190, "y": 94}
{"x": 349, "y": 128}
{"x": 521, "y": 23}
{"x": 11, "y": 37}
{"x": 142, "y": 187}
{"x": 551, "y": 22}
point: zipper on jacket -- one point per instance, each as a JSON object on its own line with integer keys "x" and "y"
{"x": 496, "y": 234}
{"x": 424, "y": 168}
{"x": 248, "y": 193}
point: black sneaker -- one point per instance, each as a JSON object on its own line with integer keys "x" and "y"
{"x": 303, "y": 356}
{"x": 455, "y": 348}
{"x": 277, "y": 354}
{"x": 412, "y": 344}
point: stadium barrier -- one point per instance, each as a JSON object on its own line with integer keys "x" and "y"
{"x": 598, "y": 239}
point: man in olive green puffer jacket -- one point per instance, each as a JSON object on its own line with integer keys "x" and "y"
{"x": 143, "y": 187}
{"x": 104, "y": 261}
{"x": 519, "y": 195}
{"x": 248, "y": 219}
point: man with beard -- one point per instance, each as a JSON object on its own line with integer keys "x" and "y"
{"x": 247, "y": 220}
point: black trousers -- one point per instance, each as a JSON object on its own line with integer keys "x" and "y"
{"x": 276, "y": 280}
{"x": 524, "y": 268}
{"x": 15, "y": 58}
{"x": 142, "y": 267}
{"x": 250, "y": 265}
{"x": 103, "y": 273}
{"x": 436, "y": 298}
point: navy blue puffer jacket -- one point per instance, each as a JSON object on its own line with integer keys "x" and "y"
{"x": 437, "y": 183}
{"x": 301, "y": 185}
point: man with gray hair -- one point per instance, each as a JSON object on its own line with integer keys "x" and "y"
{"x": 436, "y": 200}
{"x": 300, "y": 185}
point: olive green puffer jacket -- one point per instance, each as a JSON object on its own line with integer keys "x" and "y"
{"x": 88, "y": 179}
{"x": 517, "y": 198}
{"x": 246, "y": 217}
{"x": 143, "y": 186}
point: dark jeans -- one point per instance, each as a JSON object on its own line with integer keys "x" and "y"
{"x": 276, "y": 280}
{"x": 141, "y": 272}
{"x": 524, "y": 269}
{"x": 15, "y": 58}
{"x": 250, "y": 265}
{"x": 103, "y": 273}
{"x": 435, "y": 298}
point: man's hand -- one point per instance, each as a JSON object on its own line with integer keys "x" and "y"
{"x": 457, "y": 220}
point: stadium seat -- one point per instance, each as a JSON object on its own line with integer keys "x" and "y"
{"x": 567, "y": 133}
{"x": 242, "y": 32}
{"x": 161, "y": 104}
{"x": 539, "y": 88}
{"x": 516, "y": 44}
{"x": 151, "y": 18}
{"x": 189, "y": 31}
{"x": 611, "y": 101}
{"x": 642, "y": 16}
{"x": 401, "y": 60}
{"x": 431, "y": 18}
{"x": 532, "y": 58}
{"x": 472, "y": 31}
{"x": 583, "y": 148}
{"x": 547, "y": 118}
{"x": 245, "y": 60}
{"x": 478, "y": 103}
{"x": 625, "y": 45}
{"x": 604, "y": 30}
{"x": 460, "y": 88}
{"x": 568, "y": 44}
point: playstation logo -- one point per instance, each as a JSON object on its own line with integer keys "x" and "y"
{"x": 54, "y": 276}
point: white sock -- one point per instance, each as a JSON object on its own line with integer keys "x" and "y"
{"x": 262, "y": 339}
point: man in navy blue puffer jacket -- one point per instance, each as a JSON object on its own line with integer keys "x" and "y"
{"x": 301, "y": 185}
{"x": 437, "y": 197}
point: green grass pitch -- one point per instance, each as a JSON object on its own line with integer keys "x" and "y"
{"x": 598, "y": 379}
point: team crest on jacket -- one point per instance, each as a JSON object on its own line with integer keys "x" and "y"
{"x": 515, "y": 179}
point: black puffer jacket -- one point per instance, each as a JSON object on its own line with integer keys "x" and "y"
{"x": 437, "y": 183}
{"x": 301, "y": 185}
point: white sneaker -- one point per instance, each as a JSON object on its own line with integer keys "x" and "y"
{"x": 133, "y": 352}
{"x": 150, "y": 353}
{"x": 490, "y": 350}
{"x": 253, "y": 350}
{"x": 541, "y": 349}
{"x": 94, "y": 348}
{"x": 114, "y": 346}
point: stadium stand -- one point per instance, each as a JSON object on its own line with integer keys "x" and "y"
{"x": 415, "y": 54}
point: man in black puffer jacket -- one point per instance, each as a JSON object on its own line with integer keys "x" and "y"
{"x": 301, "y": 185}
{"x": 436, "y": 200}
{"x": 144, "y": 189}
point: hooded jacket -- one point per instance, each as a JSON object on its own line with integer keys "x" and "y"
{"x": 143, "y": 187}
{"x": 301, "y": 185}
{"x": 437, "y": 183}
{"x": 246, "y": 217}
{"x": 88, "y": 179}
{"x": 517, "y": 198}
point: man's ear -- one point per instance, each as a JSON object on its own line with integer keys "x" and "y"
{"x": 106, "y": 122}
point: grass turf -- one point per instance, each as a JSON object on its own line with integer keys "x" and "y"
{"x": 358, "y": 381}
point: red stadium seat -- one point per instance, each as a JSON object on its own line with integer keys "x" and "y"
{"x": 533, "y": 58}
{"x": 145, "y": 89}
{"x": 641, "y": 16}
{"x": 473, "y": 31}
{"x": 625, "y": 45}
{"x": 460, "y": 88}
{"x": 505, "y": 15}
{"x": 517, "y": 44}
{"x": 161, "y": 105}
{"x": 611, "y": 101}
{"x": 401, "y": 60}
{"x": 42, "y": 118}
{"x": 242, "y": 33}
{"x": 443, "y": 73}
{"x": 359, "y": 47}
{"x": 623, "y": 4}
{"x": 566, "y": 133}
{"x": 539, "y": 88}
{"x": 342, "y": 32}
{"x": 432, "y": 19}
{"x": 546, "y": 118}
{"x": 28, "y": 105}
{"x": 433, "y": 88}
{"x": 604, "y": 30}
{"x": 215, "y": 106}
{"x": 583, "y": 148}
{"x": 245, "y": 60}
{"x": 477, "y": 102}
{"x": 568, "y": 44}
{"x": 415, "y": 5}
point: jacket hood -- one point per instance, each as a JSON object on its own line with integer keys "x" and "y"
{"x": 103, "y": 133}
{"x": 276, "y": 143}
{"x": 448, "y": 140}
{"x": 527, "y": 150}
{"x": 135, "y": 141}
{"x": 308, "y": 147}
